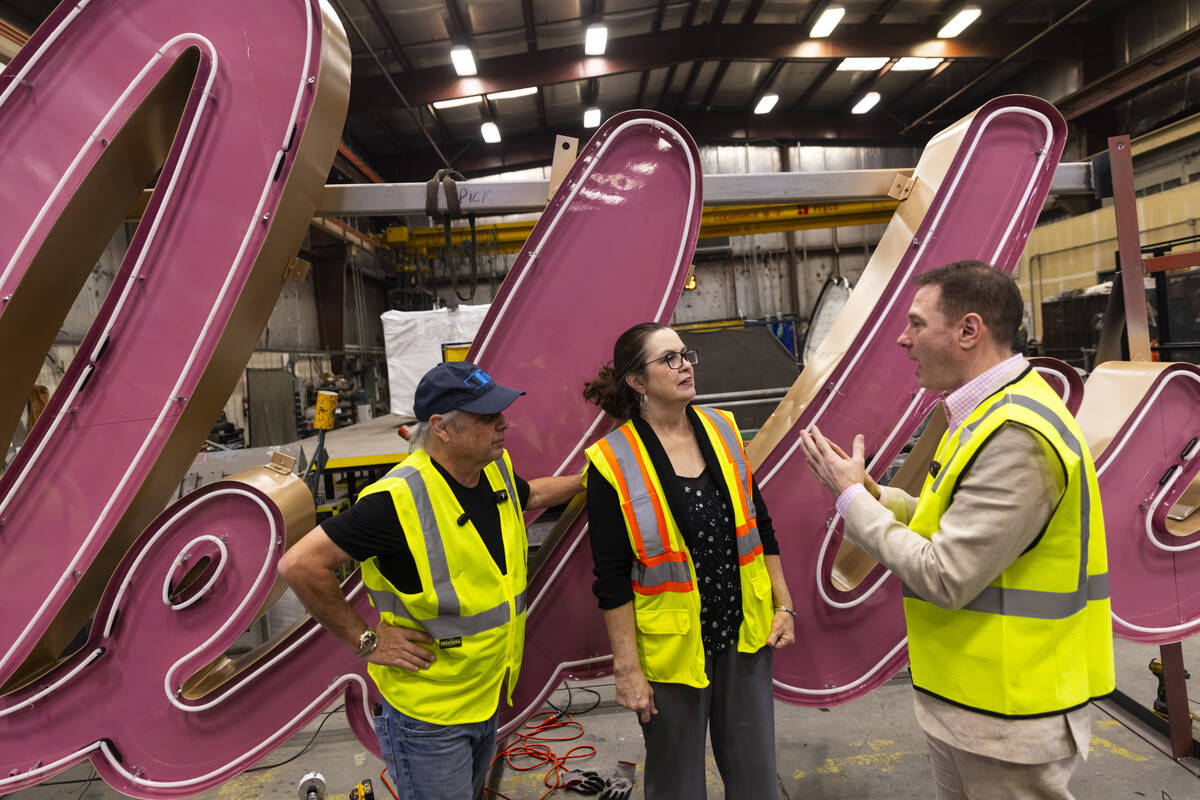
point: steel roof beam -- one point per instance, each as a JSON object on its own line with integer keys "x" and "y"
{"x": 389, "y": 35}
{"x": 530, "y": 27}
{"x": 816, "y": 85}
{"x": 460, "y": 31}
{"x": 713, "y": 42}
{"x": 1178, "y": 54}
{"x": 715, "y": 83}
{"x": 882, "y": 11}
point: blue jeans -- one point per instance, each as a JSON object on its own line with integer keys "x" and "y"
{"x": 435, "y": 762}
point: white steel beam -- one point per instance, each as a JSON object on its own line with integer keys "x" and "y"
{"x": 490, "y": 197}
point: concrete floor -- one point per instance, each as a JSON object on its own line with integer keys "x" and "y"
{"x": 870, "y": 748}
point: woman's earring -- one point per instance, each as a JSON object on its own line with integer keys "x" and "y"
{"x": 641, "y": 400}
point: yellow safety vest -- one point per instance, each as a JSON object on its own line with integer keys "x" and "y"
{"x": 475, "y": 613}
{"x": 1038, "y": 639}
{"x": 666, "y": 603}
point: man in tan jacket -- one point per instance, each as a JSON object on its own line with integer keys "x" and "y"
{"x": 1017, "y": 503}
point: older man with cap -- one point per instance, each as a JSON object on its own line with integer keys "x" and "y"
{"x": 443, "y": 550}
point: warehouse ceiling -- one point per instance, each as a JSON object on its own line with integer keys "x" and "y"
{"x": 708, "y": 63}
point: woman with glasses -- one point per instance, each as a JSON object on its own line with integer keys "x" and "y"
{"x": 687, "y": 572}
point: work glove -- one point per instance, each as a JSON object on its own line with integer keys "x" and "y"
{"x": 620, "y": 785}
{"x": 588, "y": 782}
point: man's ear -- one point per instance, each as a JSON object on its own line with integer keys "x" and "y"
{"x": 971, "y": 330}
{"x": 437, "y": 428}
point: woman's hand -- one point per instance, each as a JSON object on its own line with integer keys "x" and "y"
{"x": 783, "y": 630}
{"x": 635, "y": 693}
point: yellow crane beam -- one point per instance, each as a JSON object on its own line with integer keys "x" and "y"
{"x": 715, "y": 221}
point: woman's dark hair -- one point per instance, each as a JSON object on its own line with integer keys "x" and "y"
{"x": 609, "y": 390}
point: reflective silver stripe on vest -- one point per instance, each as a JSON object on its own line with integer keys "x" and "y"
{"x": 435, "y": 550}
{"x": 508, "y": 484}
{"x": 1033, "y": 602}
{"x": 442, "y": 627}
{"x": 748, "y": 543}
{"x": 447, "y": 627}
{"x": 387, "y": 603}
{"x": 963, "y": 437}
{"x": 639, "y": 493}
{"x": 666, "y": 572}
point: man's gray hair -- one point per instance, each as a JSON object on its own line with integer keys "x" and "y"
{"x": 420, "y": 431}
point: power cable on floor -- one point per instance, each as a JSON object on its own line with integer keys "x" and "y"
{"x": 86, "y": 785}
{"x": 70, "y": 782}
{"x": 304, "y": 749}
{"x": 571, "y": 702}
{"x": 527, "y": 749}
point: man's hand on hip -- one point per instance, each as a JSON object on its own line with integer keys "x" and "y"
{"x": 834, "y": 469}
{"x": 401, "y": 647}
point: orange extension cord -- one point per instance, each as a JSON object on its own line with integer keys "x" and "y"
{"x": 526, "y": 750}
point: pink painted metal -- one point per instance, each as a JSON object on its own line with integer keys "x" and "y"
{"x": 617, "y": 239}
{"x": 611, "y": 250}
{"x": 1062, "y": 378}
{"x": 260, "y": 91}
{"x": 565, "y": 636}
{"x": 118, "y": 701}
{"x": 984, "y": 207}
{"x": 67, "y": 94}
{"x": 1149, "y": 463}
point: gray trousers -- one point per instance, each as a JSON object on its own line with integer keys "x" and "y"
{"x": 960, "y": 775}
{"x": 737, "y": 709}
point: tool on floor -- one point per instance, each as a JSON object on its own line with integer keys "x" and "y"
{"x": 1160, "y": 703}
{"x": 312, "y": 787}
{"x": 363, "y": 791}
{"x": 620, "y": 785}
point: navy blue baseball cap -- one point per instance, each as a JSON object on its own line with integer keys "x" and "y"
{"x": 460, "y": 385}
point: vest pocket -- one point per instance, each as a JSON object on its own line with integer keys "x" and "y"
{"x": 664, "y": 621}
{"x": 757, "y": 613}
{"x": 669, "y": 646}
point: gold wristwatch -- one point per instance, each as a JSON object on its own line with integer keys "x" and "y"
{"x": 367, "y": 641}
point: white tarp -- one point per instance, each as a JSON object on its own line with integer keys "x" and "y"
{"x": 412, "y": 342}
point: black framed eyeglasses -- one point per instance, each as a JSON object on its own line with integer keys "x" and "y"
{"x": 675, "y": 360}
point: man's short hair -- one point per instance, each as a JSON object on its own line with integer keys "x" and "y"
{"x": 973, "y": 286}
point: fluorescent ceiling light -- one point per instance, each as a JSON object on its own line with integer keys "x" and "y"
{"x": 458, "y": 101}
{"x": 828, "y": 20}
{"x": 959, "y": 23}
{"x": 914, "y": 64}
{"x": 867, "y": 102}
{"x": 595, "y": 40}
{"x": 766, "y": 103}
{"x": 528, "y": 90}
{"x": 491, "y": 134}
{"x": 862, "y": 64}
{"x": 591, "y": 118}
{"x": 464, "y": 61}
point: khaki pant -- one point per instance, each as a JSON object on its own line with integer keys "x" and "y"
{"x": 959, "y": 775}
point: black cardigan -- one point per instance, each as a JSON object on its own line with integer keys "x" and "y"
{"x": 611, "y": 551}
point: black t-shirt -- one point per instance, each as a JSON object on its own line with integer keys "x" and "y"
{"x": 371, "y": 528}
